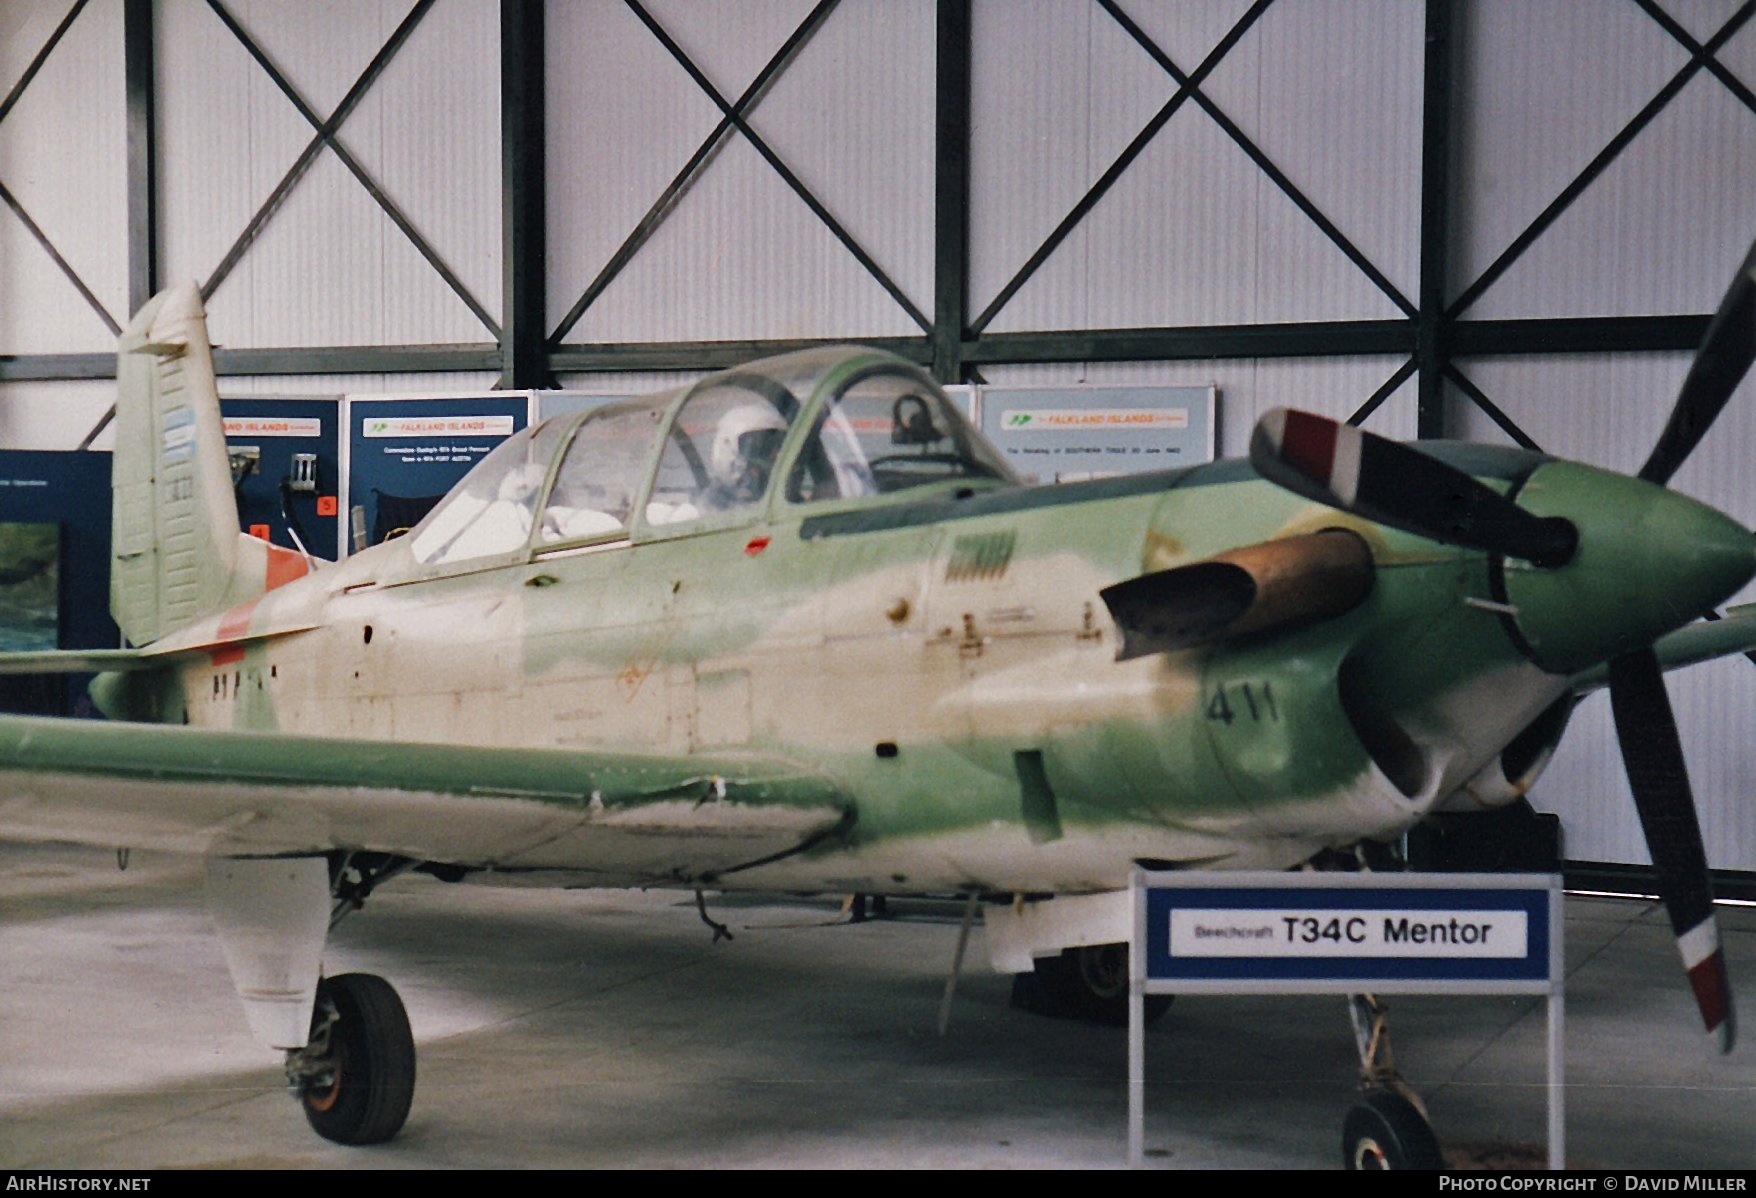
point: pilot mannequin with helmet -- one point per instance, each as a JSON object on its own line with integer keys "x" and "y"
{"x": 746, "y": 442}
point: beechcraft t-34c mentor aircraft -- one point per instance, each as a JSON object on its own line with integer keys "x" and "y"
{"x": 796, "y": 628}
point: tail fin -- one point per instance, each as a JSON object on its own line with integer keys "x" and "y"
{"x": 176, "y": 551}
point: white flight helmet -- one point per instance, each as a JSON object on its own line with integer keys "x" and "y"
{"x": 738, "y": 441}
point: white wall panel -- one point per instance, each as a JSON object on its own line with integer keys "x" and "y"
{"x": 1661, "y": 231}
{"x": 1543, "y": 89}
{"x": 1334, "y": 387}
{"x": 1609, "y": 410}
{"x": 854, "y": 120}
{"x": 1193, "y": 232}
{"x": 330, "y": 267}
{"x": 623, "y": 118}
{"x": 1333, "y": 98}
{"x": 740, "y": 255}
{"x": 54, "y": 415}
{"x": 1030, "y": 144}
{"x": 627, "y": 382}
{"x": 355, "y": 384}
{"x": 432, "y": 144}
{"x": 63, "y": 157}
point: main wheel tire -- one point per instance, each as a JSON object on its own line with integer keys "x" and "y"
{"x": 1385, "y": 1131}
{"x": 364, "y": 1095}
{"x": 1089, "y": 983}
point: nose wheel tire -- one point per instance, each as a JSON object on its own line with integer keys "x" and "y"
{"x": 361, "y": 1078}
{"x": 1385, "y": 1131}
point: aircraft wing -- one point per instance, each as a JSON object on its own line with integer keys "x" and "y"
{"x": 1735, "y": 632}
{"x": 77, "y": 661}
{"x": 632, "y": 819}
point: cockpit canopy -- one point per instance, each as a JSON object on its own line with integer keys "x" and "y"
{"x": 809, "y": 428}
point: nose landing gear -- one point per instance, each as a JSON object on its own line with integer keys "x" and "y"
{"x": 1388, "y": 1128}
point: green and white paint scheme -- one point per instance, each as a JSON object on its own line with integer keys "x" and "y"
{"x": 795, "y": 628}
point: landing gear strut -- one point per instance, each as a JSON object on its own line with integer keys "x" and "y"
{"x": 355, "y": 1078}
{"x": 1388, "y": 1127}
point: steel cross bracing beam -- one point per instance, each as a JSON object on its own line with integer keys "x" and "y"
{"x": 953, "y": 72}
{"x": 1587, "y": 334}
{"x": 823, "y": 214}
{"x": 142, "y": 136}
{"x": 524, "y": 347}
{"x": 11, "y": 201}
{"x": 325, "y": 137}
{"x": 1114, "y": 172}
{"x": 1700, "y": 57}
{"x": 1384, "y": 392}
{"x": 1262, "y": 161}
{"x": 1432, "y": 330}
{"x": 1478, "y": 397}
{"x": 661, "y": 207}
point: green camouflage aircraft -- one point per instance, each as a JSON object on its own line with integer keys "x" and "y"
{"x": 796, "y": 628}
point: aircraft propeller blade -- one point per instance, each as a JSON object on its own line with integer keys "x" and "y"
{"x": 1389, "y": 483}
{"x": 1725, "y": 355}
{"x": 1659, "y": 781}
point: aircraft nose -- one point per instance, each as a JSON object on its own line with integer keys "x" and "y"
{"x": 1649, "y": 560}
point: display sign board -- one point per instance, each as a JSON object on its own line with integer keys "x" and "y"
{"x": 1430, "y": 933}
{"x": 405, "y": 452}
{"x": 1336, "y": 933}
{"x": 55, "y": 507}
{"x": 1069, "y": 434}
{"x": 290, "y": 442}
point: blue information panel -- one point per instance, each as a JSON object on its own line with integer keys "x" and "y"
{"x": 293, "y": 479}
{"x": 405, "y": 453}
{"x": 1413, "y": 933}
{"x": 54, "y": 570}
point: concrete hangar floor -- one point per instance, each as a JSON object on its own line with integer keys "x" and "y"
{"x": 605, "y": 1029}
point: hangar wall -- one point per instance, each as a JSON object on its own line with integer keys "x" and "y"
{"x": 1598, "y": 166}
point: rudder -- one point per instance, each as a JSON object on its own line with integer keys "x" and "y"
{"x": 176, "y": 552}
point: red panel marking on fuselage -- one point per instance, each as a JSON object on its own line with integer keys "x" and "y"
{"x": 232, "y": 626}
{"x": 284, "y": 565}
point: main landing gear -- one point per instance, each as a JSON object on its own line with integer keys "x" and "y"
{"x": 1089, "y": 983}
{"x": 1388, "y": 1127}
{"x": 355, "y": 1078}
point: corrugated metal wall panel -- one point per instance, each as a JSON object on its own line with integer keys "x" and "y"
{"x": 1660, "y": 230}
{"x": 329, "y": 267}
{"x": 355, "y": 384}
{"x": 432, "y": 143}
{"x": 63, "y": 157}
{"x": 1193, "y": 232}
{"x": 854, "y": 120}
{"x": 227, "y": 136}
{"x": 741, "y": 255}
{"x": 54, "y": 415}
{"x": 623, "y": 118}
{"x": 627, "y": 382}
{"x": 1030, "y": 158}
{"x": 1334, "y": 101}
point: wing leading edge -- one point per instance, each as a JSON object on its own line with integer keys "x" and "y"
{"x": 630, "y": 818}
